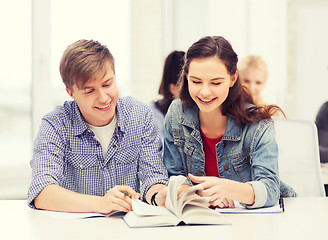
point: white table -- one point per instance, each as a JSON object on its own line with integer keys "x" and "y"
{"x": 304, "y": 218}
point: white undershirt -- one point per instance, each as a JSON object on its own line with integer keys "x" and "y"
{"x": 104, "y": 134}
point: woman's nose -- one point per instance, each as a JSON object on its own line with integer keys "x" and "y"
{"x": 205, "y": 91}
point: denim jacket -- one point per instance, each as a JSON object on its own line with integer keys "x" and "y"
{"x": 245, "y": 154}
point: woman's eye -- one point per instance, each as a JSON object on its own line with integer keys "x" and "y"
{"x": 196, "y": 82}
{"x": 216, "y": 83}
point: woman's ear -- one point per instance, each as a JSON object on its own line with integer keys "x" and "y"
{"x": 234, "y": 78}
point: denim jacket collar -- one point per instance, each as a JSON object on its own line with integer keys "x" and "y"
{"x": 233, "y": 130}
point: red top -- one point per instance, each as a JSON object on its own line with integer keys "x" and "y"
{"x": 209, "y": 146}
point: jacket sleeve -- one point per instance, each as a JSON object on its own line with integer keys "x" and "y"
{"x": 265, "y": 173}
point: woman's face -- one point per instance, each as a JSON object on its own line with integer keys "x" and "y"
{"x": 254, "y": 79}
{"x": 209, "y": 83}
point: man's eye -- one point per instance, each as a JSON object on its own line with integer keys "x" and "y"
{"x": 88, "y": 92}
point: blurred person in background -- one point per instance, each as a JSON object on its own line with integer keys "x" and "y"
{"x": 168, "y": 88}
{"x": 254, "y": 72}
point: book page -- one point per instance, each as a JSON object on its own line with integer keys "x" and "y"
{"x": 145, "y": 209}
{"x": 171, "y": 201}
{"x": 74, "y": 215}
{"x": 191, "y": 198}
{"x": 202, "y": 215}
{"x": 145, "y": 215}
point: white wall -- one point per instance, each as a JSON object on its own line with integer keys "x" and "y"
{"x": 252, "y": 27}
{"x": 311, "y": 59}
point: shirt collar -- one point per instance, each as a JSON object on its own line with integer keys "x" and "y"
{"x": 80, "y": 126}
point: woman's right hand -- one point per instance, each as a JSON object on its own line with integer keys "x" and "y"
{"x": 215, "y": 188}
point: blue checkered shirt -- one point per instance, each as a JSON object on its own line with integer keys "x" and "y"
{"x": 66, "y": 152}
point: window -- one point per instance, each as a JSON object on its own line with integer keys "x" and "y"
{"x": 15, "y": 82}
{"x": 107, "y": 21}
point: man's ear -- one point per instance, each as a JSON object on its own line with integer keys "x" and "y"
{"x": 69, "y": 92}
{"x": 234, "y": 78}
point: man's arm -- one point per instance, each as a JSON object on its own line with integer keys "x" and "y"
{"x": 151, "y": 166}
{"x": 56, "y": 198}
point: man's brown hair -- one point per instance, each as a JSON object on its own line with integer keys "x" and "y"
{"x": 82, "y": 60}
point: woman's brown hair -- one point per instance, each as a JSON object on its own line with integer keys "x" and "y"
{"x": 239, "y": 103}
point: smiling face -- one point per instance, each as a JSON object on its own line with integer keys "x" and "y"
{"x": 97, "y": 99}
{"x": 209, "y": 83}
{"x": 254, "y": 79}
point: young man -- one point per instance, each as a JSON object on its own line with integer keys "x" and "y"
{"x": 94, "y": 153}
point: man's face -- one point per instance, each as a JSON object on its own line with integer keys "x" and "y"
{"x": 98, "y": 97}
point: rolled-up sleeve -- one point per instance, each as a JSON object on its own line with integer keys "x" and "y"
{"x": 47, "y": 162}
{"x": 265, "y": 177}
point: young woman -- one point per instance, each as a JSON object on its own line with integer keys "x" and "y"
{"x": 168, "y": 87}
{"x": 254, "y": 73}
{"x": 215, "y": 135}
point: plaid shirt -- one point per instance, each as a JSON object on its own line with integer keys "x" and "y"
{"x": 66, "y": 152}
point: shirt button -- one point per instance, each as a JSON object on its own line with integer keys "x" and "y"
{"x": 98, "y": 145}
{"x": 225, "y": 167}
{"x": 224, "y": 144}
{"x": 81, "y": 166}
{"x": 104, "y": 168}
{"x": 114, "y": 146}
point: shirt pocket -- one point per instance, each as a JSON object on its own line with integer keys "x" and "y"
{"x": 127, "y": 155}
{"x": 242, "y": 167}
{"x": 81, "y": 162}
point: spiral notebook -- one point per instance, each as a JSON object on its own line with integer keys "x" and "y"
{"x": 239, "y": 209}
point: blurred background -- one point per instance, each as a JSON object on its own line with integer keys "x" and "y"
{"x": 290, "y": 35}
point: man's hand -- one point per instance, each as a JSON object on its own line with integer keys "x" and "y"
{"x": 118, "y": 198}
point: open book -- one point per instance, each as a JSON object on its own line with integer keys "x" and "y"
{"x": 189, "y": 209}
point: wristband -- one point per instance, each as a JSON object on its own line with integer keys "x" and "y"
{"x": 152, "y": 200}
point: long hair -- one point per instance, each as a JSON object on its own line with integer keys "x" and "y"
{"x": 239, "y": 104}
{"x": 171, "y": 73}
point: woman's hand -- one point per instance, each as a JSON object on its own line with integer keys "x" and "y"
{"x": 118, "y": 198}
{"x": 215, "y": 188}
